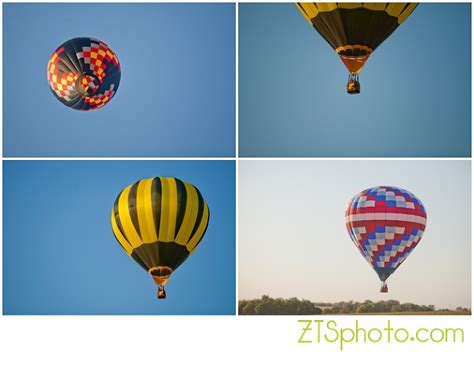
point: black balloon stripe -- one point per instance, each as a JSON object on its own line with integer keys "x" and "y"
{"x": 132, "y": 207}
{"x": 182, "y": 199}
{"x": 156, "y": 203}
{"x": 117, "y": 217}
{"x": 205, "y": 229}
{"x": 199, "y": 214}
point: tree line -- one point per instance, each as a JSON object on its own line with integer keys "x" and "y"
{"x": 278, "y": 306}
{"x": 294, "y": 306}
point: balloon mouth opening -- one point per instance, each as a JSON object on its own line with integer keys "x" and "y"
{"x": 160, "y": 274}
{"x": 354, "y": 64}
{"x": 87, "y": 85}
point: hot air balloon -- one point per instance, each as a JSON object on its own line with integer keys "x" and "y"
{"x": 355, "y": 30}
{"x": 84, "y": 73}
{"x": 385, "y": 223}
{"x": 160, "y": 222}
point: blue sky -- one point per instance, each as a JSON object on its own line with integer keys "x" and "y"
{"x": 177, "y": 92}
{"x": 60, "y": 255}
{"x": 416, "y": 88}
{"x": 307, "y": 201}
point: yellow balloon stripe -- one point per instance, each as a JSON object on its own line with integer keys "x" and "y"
{"x": 347, "y": 5}
{"x": 169, "y": 204}
{"x": 311, "y": 10}
{"x": 124, "y": 214}
{"x": 307, "y": 13}
{"x": 375, "y": 6}
{"x": 395, "y": 9}
{"x": 406, "y": 13}
{"x": 190, "y": 215}
{"x": 200, "y": 231}
{"x": 142, "y": 221}
{"x": 122, "y": 240}
{"x": 145, "y": 211}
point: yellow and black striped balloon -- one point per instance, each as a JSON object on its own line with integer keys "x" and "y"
{"x": 355, "y": 30}
{"x": 159, "y": 222}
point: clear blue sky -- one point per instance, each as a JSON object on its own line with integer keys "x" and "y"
{"x": 60, "y": 255}
{"x": 176, "y": 95}
{"x": 310, "y": 254}
{"x": 416, "y": 88}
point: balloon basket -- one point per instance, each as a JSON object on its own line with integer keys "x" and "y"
{"x": 384, "y": 288}
{"x": 161, "y": 294}
{"x": 353, "y": 84}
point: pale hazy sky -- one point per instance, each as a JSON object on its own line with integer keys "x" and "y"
{"x": 293, "y": 240}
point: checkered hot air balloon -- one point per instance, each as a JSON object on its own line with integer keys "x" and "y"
{"x": 385, "y": 223}
{"x": 84, "y": 73}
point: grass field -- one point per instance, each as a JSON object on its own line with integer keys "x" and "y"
{"x": 432, "y": 313}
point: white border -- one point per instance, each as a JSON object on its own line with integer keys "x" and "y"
{"x": 206, "y": 339}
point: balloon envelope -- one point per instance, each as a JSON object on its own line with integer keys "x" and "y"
{"x": 84, "y": 73}
{"x": 160, "y": 222}
{"x": 355, "y": 30}
{"x": 385, "y": 223}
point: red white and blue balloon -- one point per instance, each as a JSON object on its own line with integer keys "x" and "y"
{"x": 386, "y": 223}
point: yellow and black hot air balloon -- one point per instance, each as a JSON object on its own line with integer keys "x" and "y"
{"x": 159, "y": 222}
{"x": 355, "y": 30}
